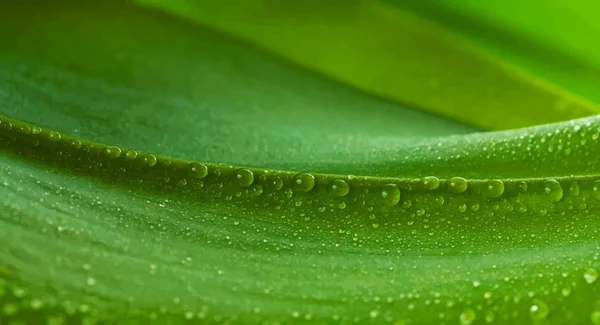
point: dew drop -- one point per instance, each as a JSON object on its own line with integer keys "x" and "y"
{"x": 257, "y": 190}
{"x": 304, "y": 182}
{"x": 590, "y": 275}
{"x": 574, "y": 189}
{"x": 494, "y": 188}
{"x": 522, "y": 186}
{"x": 339, "y": 188}
{"x": 462, "y": 208}
{"x": 245, "y": 177}
{"x": 430, "y": 182}
{"x": 149, "y": 160}
{"x": 595, "y": 317}
{"x": 596, "y": 190}
{"x": 199, "y": 170}
{"x": 75, "y": 143}
{"x": 457, "y": 184}
{"x": 131, "y": 154}
{"x": 553, "y": 190}
{"x": 539, "y": 309}
{"x": 277, "y": 183}
{"x": 467, "y": 317}
{"x": 390, "y": 195}
{"x": 54, "y": 136}
{"x": 112, "y": 152}
{"x": 289, "y": 193}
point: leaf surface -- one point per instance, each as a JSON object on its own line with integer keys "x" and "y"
{"x": 181, "y": 176}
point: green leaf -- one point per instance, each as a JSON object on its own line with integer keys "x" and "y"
{"x": 181, "y": 176}
{"x": 397, "y": 52}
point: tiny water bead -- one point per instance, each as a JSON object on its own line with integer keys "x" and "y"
{"x": 304, "y": 182}
{"x": 596, "y": 190}
{"x": 112, "y": 152}
{"x": 595, "y": 317}
{"x": 245, "y": 177}
{"x": 339, "y": 188}
{"x": 390, "y": 195}
{"x": 539, "y": 309}
{"x": 467, "y": 317}
{"x": 430, "y": 182}
{"x": 553, "y": 190}
{"x": 149, "y": 160}
{"x": 574, "y": 189}
{"x": 457, "y": 184}
{"x": 494, "y": 188}
{"x": 199, "y": 170}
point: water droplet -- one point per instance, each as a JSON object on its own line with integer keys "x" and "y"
{"x": 574, "y": 189}
{"x": 553, "y": 190}
{"x": 149, "y": 160}
{"x": 494, "y": 188}
{"x": 590, "y": 275}
{"x": 430, "y": 182}
{"x": 457, "y": 184}
{"x": 257, "y": 190}
{"x": 199, "y": 170}
{"x": 54, "y": 136}
{"x": 596, "y": 190}
{"x": 7, "y": 125}
{"x": 522, "y": 186}
{"x": 245, "y": 177}
{"x": 304, "y": 182}
{"x": 539, "y": 309}
{"x": 131, "y": 154}
{"x": 112, "y": 152}
{"x": 339, "y": 188}
{"x": 595, "y": 317}
{"x": 375, "y": 225}
{"x": 75, "y": 143}
{"x": 390, "y": 195}
{"x": 467, "y": 317}
{"x": 462, "y": 208}
{"x": 289, "y": 193}
{"x": 277, "y": 183}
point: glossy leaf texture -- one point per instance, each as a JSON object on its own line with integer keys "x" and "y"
{"x": 396, "y": 50}
{"x": 155, "y": 171}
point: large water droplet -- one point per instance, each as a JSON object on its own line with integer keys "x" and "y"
{"x": 457, "y": 184}
{"x": 304, "y": 182}
{"x": 539, "y": 309}
{"x": 131, "y": 154}
{"x": 553, "y": 190}
{"x": 112, "y": 152}
{"x": 494, "y": 188}
{"x": 199, "y": 170}
{"x": 245, "y": 177}
{"x": 590, "y": 275}
{"x": 277, "y": 183}
{"x": 149, "y": 160}
{"x": 430, "y": 182}
{"x": 339, "y": 188}
{"x": 390, "y": 195}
